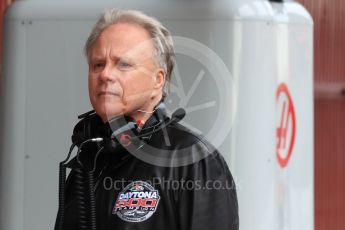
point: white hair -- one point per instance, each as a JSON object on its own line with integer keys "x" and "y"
{"x": 161, "y": 38}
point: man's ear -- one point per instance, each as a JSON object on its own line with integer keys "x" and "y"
{"x": 159, "y": 78}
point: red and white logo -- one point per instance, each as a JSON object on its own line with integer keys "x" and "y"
{"x": 286, "y": 125}
{"x": 137, "y": 202}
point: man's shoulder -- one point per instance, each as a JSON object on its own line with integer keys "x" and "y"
{"x": 176, "y": 145}
{"x": 183, "y": 137}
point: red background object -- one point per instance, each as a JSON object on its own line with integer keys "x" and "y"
{"x": 3, "y": 5}
{"x": 329, "y": 80}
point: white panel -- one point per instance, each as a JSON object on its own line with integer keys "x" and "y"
{"x": 294, "y": 182}
{"x": 163, "y": 9}
{"x": 254, "y": 131}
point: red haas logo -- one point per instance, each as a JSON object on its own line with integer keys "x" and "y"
{"x": 286, "y": 130}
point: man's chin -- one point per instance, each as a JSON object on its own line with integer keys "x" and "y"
{"x": 107, "y": 114}
{"x": 111, "y": 113}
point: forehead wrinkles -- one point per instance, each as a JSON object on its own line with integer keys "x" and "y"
{"x": 142, "y": 51}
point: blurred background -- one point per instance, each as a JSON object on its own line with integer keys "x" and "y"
{"x": 329, "y": 109}
{"x": 329, "y": 101}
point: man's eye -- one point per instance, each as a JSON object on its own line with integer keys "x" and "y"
{"x": 123, "y": 65}
{"x": 98, "y": 65}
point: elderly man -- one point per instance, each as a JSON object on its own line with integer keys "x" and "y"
{"x": 153, "y": 173}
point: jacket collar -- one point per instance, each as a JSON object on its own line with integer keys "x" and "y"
{"x": 100, "y": 129}
{"x": 159, "y": 115}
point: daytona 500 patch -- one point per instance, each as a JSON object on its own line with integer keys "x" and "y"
{"x": 137, "y": 202}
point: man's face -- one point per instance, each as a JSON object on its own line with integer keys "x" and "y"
{"x": 123, "y": 76}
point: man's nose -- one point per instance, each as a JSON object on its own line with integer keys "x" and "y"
{"x": 108, "y": 74}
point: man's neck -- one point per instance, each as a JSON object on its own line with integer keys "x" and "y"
{"x": 144, "y": 115}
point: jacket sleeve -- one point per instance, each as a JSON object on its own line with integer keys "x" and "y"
{"x": 208, "y": 200}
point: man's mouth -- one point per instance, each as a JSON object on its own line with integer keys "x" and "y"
{"x": 105, "y": 93}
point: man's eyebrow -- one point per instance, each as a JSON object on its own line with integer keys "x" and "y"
{"x": 117, "y": 58}
{"x": 97, "y": 58}
{"x": 113, "y": 58}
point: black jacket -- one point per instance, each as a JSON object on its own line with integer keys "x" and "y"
{"x": 170, "y": 179}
